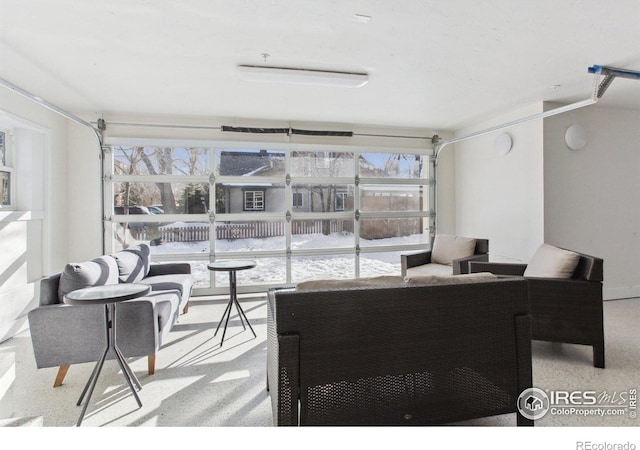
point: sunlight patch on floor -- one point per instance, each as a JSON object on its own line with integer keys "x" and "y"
{"x": 234, "y": 375}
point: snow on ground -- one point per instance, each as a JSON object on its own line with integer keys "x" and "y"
{"x": 272, "y": 270}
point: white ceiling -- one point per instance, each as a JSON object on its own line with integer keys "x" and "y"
{"x": 438, "y": 64}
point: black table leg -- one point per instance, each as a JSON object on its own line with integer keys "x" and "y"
{"x": 110, "y": 327}
{"x": 233, "y": 300}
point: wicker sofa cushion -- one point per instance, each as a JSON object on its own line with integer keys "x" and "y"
{"x": 98, "y": 272}
{"x": 446, "y": 248}
{"x": 383, "y": 280}
{"x": 552, "y": 262}
{"x": 133, "y": 263}
{"x": 448, "y": 279}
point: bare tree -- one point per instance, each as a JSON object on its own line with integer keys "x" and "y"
{"x": 323, "y": 196}
{"x": 164, "y": 156}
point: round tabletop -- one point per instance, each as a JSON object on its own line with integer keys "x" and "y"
{"x": 231, "y": 264}
{"x": 109, "y": 293}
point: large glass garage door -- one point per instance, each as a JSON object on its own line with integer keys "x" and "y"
{"x": 301, "y": 213}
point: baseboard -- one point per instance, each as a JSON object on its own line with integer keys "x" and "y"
{"x": 619, "y": 293}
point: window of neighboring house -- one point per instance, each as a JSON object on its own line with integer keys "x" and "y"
{"x": 297, "y": 199}
{"x": 323, "y": 160}
{"x": 254, "y": 200}
{"x": 6, "y": 173}
{"x": 340, "y": 200}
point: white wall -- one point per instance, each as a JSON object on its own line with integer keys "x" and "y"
{"x": 33, "y": 238}
{"x": 501, "y": 197}
{"x": 84, "y": 194}
{"x": 591, "y": 195}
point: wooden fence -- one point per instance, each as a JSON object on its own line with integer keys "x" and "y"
{"x": 232, "y": 231}
{"x": 369, "y": 229}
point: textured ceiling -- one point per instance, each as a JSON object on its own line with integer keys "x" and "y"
{"x": 439, "y": 64}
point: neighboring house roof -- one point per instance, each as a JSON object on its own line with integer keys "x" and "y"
{"x": 244, "y": 163}
{"x": 262, "y": 162}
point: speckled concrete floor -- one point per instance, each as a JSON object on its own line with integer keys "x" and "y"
{"x": 199, "y": 384}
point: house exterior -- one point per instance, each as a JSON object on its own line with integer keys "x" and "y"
{"x": 312, "y": 197}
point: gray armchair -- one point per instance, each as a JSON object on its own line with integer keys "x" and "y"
{"x": 449, "y": 255}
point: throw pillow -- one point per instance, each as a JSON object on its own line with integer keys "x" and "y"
{"x": 98, "y": 272}
{"x": 446, "y": 248}
{"x": 552, "y": 262}
{"x": 381, "y": 281}
{"x": 133, "y": 263}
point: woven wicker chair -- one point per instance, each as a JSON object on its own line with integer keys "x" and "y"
{"x": 563, "y": 310}
{"x": 404, "y": 355}
{"x": 423, "y": 259}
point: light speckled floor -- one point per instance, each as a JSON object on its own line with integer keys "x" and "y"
{"x": 199, "y": 384}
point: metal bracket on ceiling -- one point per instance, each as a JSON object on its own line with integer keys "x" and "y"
{"x": 610, "y": 73}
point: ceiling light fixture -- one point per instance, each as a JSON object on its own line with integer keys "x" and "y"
{"x": 502, "y": 144}
{"x": 575, "y": 137}
{"x": 314, "y": 77}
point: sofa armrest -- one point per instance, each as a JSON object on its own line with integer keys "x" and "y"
{"x": 515, "y": 269}
{"x": 461, "y": 266}
{"x": 414, "y": 259}
{"x": 64, "y": 334}
{"x": 283, "y": 361}
{"x": 558, "y": 293}
{"x": 169, "y": 268}
{"x": 138, "y": 326}
{"x": 49, "y": 290}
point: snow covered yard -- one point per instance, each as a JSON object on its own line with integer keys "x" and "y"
{"x": 272, "y": 270}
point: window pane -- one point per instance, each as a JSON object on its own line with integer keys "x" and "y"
{"x": 324, "y": 197}
{"x": 390, "y": 231}
{"x": 375, "y": 264}
{"x": 250, "y": 162}
{"x": 3, "y": 149}
{"x": 249, "y": 236}
{"x": 253, "y": 200}
{"x": 394, "y": 165}
{"x": 322, "y": 267}
{"x": 200, "y": 273}
{"x": 160, "y": 198}
{"x": 322, "y": 164}
{"x": 267, "y": 271}
{"x": 5, "y": 188}
{"x": 160, "y": 161}
{"x": 297, "y": 200}
{"x": 255, "y": 197}
{"x": 387, "y": 198}
{"x": 164, "y": 238}
{"x": 319, "y": 233}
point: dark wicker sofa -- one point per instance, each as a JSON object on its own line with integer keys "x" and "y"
{"x": 398, "y": 355}
{"x": 568, "y": 310}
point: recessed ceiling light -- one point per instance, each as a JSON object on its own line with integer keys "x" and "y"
{"x": 361, "y": 18}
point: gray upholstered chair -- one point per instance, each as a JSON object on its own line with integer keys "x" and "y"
{"x": 565, "y": 296}
{"x": 62, "y": 334}
{"x": 449, "y": 255}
